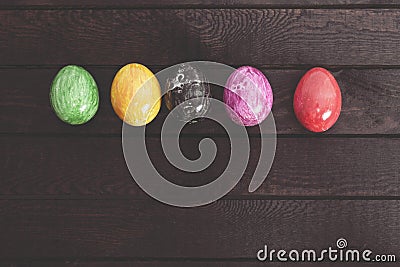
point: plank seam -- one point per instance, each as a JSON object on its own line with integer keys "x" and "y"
{"x": 266, "y": 67}
{"x": 225, "y": 199}
{"x": 193, "y": 135}
{"x": 211, "y": 7}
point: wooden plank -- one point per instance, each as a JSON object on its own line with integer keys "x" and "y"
{"x": 370, "y": 103}
{"x": 178, "y": 263}
{"x": 264, "y": 37}
{"x": 94, "y": 167}
{"x": 230, "y": 229}
{"x": 193, "y": 3}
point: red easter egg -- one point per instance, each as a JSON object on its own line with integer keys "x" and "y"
{"x": 317, "y": 101}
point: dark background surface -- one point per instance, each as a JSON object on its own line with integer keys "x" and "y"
{"x": 67, "y": 198}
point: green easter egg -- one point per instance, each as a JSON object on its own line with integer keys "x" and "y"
{"x": 74, "y": 95}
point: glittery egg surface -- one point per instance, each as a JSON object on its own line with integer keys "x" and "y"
{"x": 136, "y": 95}
{"x": 74, "y": 96}
{"x": 317, "y": 100}
{"x": 187, "y": 86}
{"x": 249, "y": 94}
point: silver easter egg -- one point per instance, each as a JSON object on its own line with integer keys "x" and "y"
{"x": 187, "y": 86}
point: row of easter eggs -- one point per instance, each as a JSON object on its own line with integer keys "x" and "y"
{"x": 136, "y": 96}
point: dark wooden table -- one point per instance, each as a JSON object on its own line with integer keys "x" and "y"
{"x": 67, "y": 198}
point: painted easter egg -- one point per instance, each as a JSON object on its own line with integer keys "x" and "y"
{"x": 136, "y": 95}
{"x": 74, "y": 96}
{"x": 249, "y": 95}
{"x": 187, "y": 90}
{"x": 317, "y": 100}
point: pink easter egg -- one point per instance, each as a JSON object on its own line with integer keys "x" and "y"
{"x": 249, "y": 95}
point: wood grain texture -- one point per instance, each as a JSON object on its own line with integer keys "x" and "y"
{"x": 182, "y": 263}
{"x": 93, "y": 167}
{"x": 194, "y": 3}
{"x": 262, "y": 37}
{"x": 67, "y": 198}
{"x": 224, "y": 230}
{"x": 370, "y": 103}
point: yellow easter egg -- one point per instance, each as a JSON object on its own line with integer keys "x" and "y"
{"x": 136, "y": 95}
